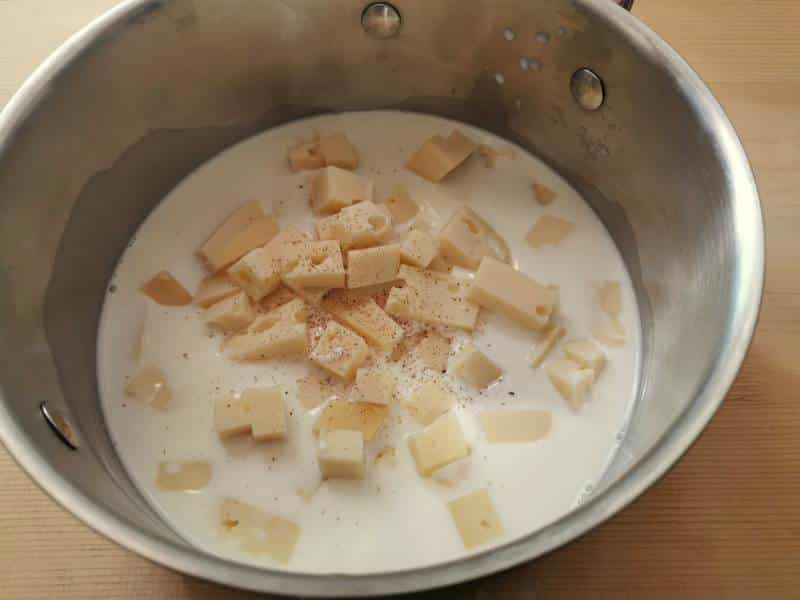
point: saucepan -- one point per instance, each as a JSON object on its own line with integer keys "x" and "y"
{"x": 147, "y": 92}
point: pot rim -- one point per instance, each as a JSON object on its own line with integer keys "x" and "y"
{"x": 749, "y": 281}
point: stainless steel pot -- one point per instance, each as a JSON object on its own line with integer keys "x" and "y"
{"x": 134, "y": 102}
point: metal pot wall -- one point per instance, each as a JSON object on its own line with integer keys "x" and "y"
{"x": 134, "y": 102}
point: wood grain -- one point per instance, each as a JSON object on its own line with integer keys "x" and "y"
{"x": 724, "y": 523}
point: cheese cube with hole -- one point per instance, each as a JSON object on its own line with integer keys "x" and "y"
{"x": 571, "y": 380}
{"x": 465, "y": 240}
{"x": 335, "y": 188}
{"x": 513, "y": 426}
{"x": 244, "y": 230}
{"x": 282, "y": 331}
{"x": 400, "y": 205}
{"x": 149, "y": 386}
{"x": 429, "y": 401}
{"x": 342, "y": 455}
{"x": 418, "y": 249}
{"x": 364, "y": 316}
{"x": 434, "y": 298}
{"x": 474, "y": 367}
{"x": 434, "y": 351}
{"x": 475, "y": 519}
{"x": 189, "y": 476}
{"x": 587, "y": 354}
{"x": 337, "y": 150}
{"x": 439, "y": 156}
{"x": 609, "y": 297}
{"x": 439, "y": 444}
{"x": 231, "y": 314}
{"x": 359, "y": 226}
{"x": 549, "y": 230}
{"x": 374, "y": 385}
{"x": 166, "y": 290}
{"x": 259, "y": 411}
{"x": 550, "y": 337}
{"x": 609, "y": 330}
{"x": 320, "y": 266}
{"x": 501, "y": 288}
{"x": 213, "y": 289}
{"x": 543, "y": 194}
{"x": 259, "y": 271}
{"x": 372, "y": 266}
{"x": 365, "y": 417}
{"x": 259, "y": 532}
{"x": 340, "y": 351}
{"x": 305, "y": 156}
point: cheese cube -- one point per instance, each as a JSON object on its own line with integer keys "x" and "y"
{"x": 474, "y": 367}
{"x": 609, "y": 330}
{"x": 279, "y": 332}
{"x": 293, "y": 312}
{"x": 259, "y": 271}
{"x": 434, "y": 351}
{"x": 464, "y": 240}
{"x": 342, "y": 455}
{"x": 231, "y": 314}
{"x": 305, "y": 156}
{"x": 429, "y": 401}
{"x": 438, "y": 445}
{"x": 587, "y": 354}
{"x": 439, "y": 156}
{"x": 440, "y": 264}
{"x": 571, "y": 380}
{"x": 359, "y": 226}
{"x": 365, "y": 317}
{"x": 279, "y": 297}
{"x": 400, "y": 205}
{"x": 258, "y": 531}
{"x": 183, "y": 476}
{"x": 247, "y": 228}
{"x": 543, "y": 194}
{"x": 259, "y": 411}
{"x": 418, "y": 249}
{"x": 338, "y": 151}
{"x": 321, "y": 266}
{"x": 372, "y": 265}
{"x": 340, "y": 351}
{"x": 510, "y": 426}
{"x": 335, "y": 188}
{"x": 433, "y": 298}
{"x": 150, "y": 387}
{"x": 374, "y": 385}
{"x": 166, "y": 290}
{"x": 313, "y": 391}
{"x": 365, "y": 417}
{"x": 214, "y": 289}
{"x": 475, "y": 518}
{"x": 549, "y": 230}
{"x": 609, "y": 297}
{"x": 501, "y": 288}
{"x": 232, "y": 417}
{"x": 550, "y": 336}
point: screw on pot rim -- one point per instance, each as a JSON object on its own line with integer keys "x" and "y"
{"x": 587, "y": 89}
{"x": 381, "y": 20}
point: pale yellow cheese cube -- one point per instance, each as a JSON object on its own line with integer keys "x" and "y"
{"x": 292, "y": 312}
{"x": 259, "y": 411}
{"x": 231, "y": 314}
{"x": 365, "y": 317}
{"x": 279, "y": 297}
{"x": 429, "y": 401}
{"x": 259, "y": 271}
{"x": 543, "y": 194}
{"x": 439, "y": 156}
{"x": 465, "y": 239}
{"x": 474, "y": 367}
{"x": 281, "y": 331}
{"x": 433, "y": 298}
{"x": 475, "y": 518}
{"x": 166, "y": 290}
{"x": 340, "y": 351}
{"x": 342, "y": 455}
{"x": 609, "y": 330}
{"x": 501, "y": 288}
{"x": 440, "y": 264}
{"x": 609, "y": 297}
{"x": 372, "y": 266}
{"x": 258, "y": 531}
{"x": 419, "y": 249}
{"x": 434, "y": 351}
{"x": 571, "y": 380}
{"x": 232, "y": 417}
{"x": 336, "y": 150}
{"x": 321, "y": 266}
{"x": 359, "y": 226}
{"x": 189, "y": 476}
{"x": 587, "y": 354}
{"x": 374, "y": 385}
{"x": 313, "y": 391}
{"x": 335, "y": 188}
{"x": 438, "y": 445}
{"x": 305, "y": 156}
{"x": 214, "y": 288}
{"x": 549, "y": 230}
{"x": 245, "y": 229}
{"x": 149, "y": 386}
{"x": 365, "y": 417}
{"x": 550, "y": 336}
{"x": 513, "y": 426}
{"x": 400, "y": 205}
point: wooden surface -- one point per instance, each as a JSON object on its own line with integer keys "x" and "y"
{"x": 725, "y": 523}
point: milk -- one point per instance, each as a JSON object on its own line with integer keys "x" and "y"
{"x": 393, "y": 519}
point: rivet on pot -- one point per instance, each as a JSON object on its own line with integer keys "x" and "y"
{"x": 587, "y": 89}
{"x": 381, "y": 20}
{"x": 60, "y": 426}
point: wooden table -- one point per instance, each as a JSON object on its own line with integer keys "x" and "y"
{"x": 725, "y": 523}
